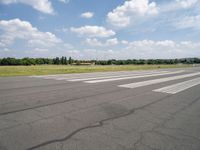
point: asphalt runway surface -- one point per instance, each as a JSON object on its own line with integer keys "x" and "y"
{"x": 127, "y": 110}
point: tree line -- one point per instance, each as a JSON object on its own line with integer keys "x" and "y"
{"x": 148, "y": 61}
{"x": 69, "y": 61}
{"x": 35, "y": 61}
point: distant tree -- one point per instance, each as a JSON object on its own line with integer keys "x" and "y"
{"x": 56, "y": 61}
{"x": 5, "y": 61}
{"x": 65, "y": 60}
{"x": 62, "y": 60}
{"x": 70, "y": 60}
{"x": 39, "y": 61}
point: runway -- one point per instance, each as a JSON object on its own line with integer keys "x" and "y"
{"x": 125, "y": 110}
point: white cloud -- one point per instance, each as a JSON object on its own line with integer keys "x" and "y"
{"x": 40, "y": 50}
{"x": 162, "y": 49}
{"x": 93, "y": 31}
{"x": 93, "y": 42}
{"x": 33, "y": 42}
{"x": 87, "y": 15}
{"x": 96, "y": 43}
{"x": 6, "y": 50}
{"x": 149, "y": 44}
{"x": 88, "y": 54}
{"x": 144, "y": 49}
{"x": 44, "y": 6}
{"x": 16, "y": 29}
{"x": 176, "y": 5}
{"x": 124, "y": 42}
{"x": 188, "y": 22}
{"x": 64, "y": 1}
{"x": 185, "y": 3}
{"x": 112, "y": 42}
{"x": 130, "y": 11}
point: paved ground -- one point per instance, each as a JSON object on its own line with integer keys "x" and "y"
{"x": 138, "y": 110}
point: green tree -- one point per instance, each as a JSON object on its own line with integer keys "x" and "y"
{"x": 70, "y": 60}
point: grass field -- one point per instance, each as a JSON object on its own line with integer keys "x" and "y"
{"x": 61, "y": 69}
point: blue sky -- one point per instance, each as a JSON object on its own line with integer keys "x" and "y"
{"x": 118, "y": 29}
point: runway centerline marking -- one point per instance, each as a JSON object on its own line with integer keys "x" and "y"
{"x": 176, "y": 88}
{"x": 155, "y": 81}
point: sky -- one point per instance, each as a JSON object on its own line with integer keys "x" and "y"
{"x": 100, "y": 29}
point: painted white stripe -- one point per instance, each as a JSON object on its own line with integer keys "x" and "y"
{"x": 62, "y": 75}
{"x": 133, "y": 77}
{"x": 88, "y": 75}
{"x": 106, "y": 77}
{"x": 175, "y": 88}
{"x": 155, "y": 81}
{"x": 92, "y": 75}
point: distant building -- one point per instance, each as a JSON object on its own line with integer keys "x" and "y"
{"x": 84, "y": 63}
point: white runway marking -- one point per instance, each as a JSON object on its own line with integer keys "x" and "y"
{"x": 89, "y": 75}
{"x": 133, "y": 77}
{"x": 175, "y": 88}
{"x": 155, "y": 81}
{"x": 106, "y": 77}
{"x": 96, "y": 76}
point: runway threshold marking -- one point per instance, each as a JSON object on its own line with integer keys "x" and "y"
{"x": 133, "y": 77}
{"x": 75, "y": 75}
{"x": 176, "y": 88}
{"x": 115, "y": 76}
{"x": 88, "y": 75}
{"x": 155, "y": 81}
{"x": 102, "y": 76}
{"x": 96, "y": 76}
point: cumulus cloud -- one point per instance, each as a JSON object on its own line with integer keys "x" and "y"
{"x": 188, "y": 22}
{"x": 185, "y": 3}
{"x": 176, "y": 5}
{"x": 40, "y": 50}
{"x": 33, "y": 42}
{"x": 17, "y": 29}
{"x": 93, "y": 42}
{"x": 124, "y": 42}
{"x": 175, "y": 14}
{"x": 88, "y": 54}
{"x": 87, "y": 15}
{"x": 64, "y": 1}
{"x": 44, "y": 6}
{"x": 93, "y": 31}
{"x": 130, "y": 11}
{"x": 37, "y": 43}
{"x": 112, "y": 42}
{"x": 162, "y": 49}
{"x": 96, "y": 43}
{"x": 143, "y": 50}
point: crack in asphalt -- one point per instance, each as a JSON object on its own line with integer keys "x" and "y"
{"x": 64, "y": 101}
{"x": 98, "y": 124}
{"x": 43, "y": 118}
{"x": 161, "y": 125}
{"x": 60, "y": 102}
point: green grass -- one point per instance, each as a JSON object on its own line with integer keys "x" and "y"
{"x": 60, "y": 69}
